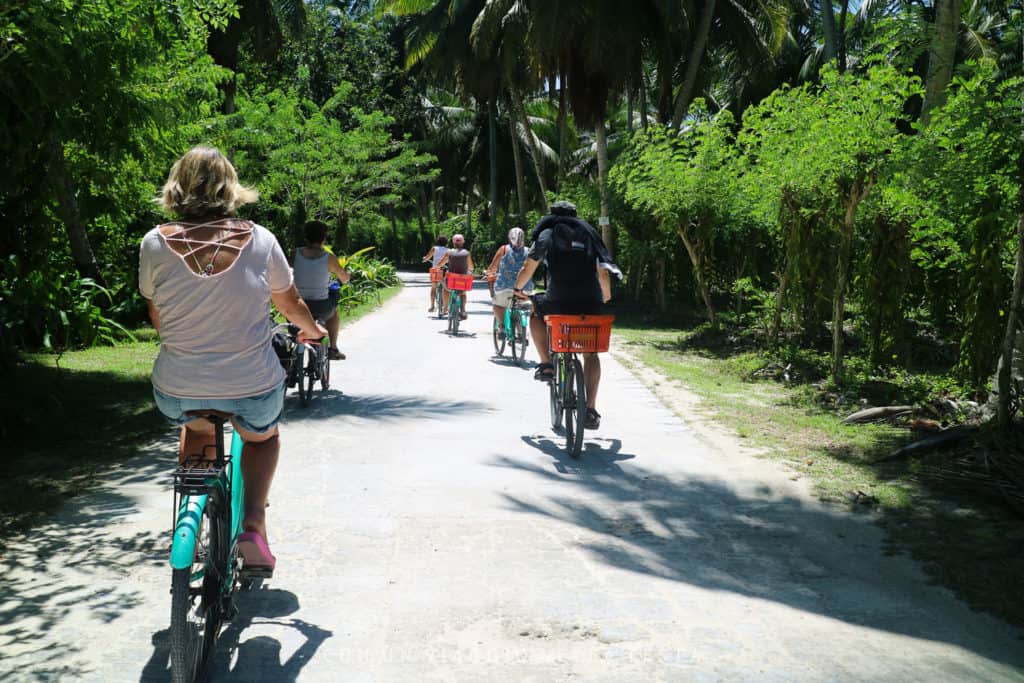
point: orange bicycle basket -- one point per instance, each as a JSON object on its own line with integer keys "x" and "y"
{"x": 579, "y": 333}
{"x": 435, "y": 275}
{"x": 462, "y": 283}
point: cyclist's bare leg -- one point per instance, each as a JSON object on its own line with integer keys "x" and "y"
{"x": 196, "y": 435}
{"x": 333, "y": 324}
{"x": 539, "y": 332}
{"x": 433, "y": 295}
{"x": 259, "y": 461}
{"x": 447, "y": 301}
{"x": 499, "y": 314}
{"x": 591, "y": 377}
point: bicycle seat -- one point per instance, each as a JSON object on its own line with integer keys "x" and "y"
{"x": 209, "y": 412}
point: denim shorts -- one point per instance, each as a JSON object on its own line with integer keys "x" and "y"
{"x": 258, "y": 414}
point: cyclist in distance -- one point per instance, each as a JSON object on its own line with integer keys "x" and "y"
{"x": 434, "y": 257}
{"x": 459, "y": 261}
{"x": 507, "y": 262}
{"x": 314, "y": 266}
{"x": 577, "y": 284}
{"x": 208, "y": 279}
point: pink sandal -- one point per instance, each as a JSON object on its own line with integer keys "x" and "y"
{"x": 257, "y": 559}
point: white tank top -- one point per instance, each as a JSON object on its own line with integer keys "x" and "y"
{"x": 312, "y": 276}
{"x": 439, "y": 253}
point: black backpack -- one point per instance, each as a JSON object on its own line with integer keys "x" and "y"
{"x": 572, "y": 254}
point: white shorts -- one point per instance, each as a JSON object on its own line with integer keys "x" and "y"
{"x": 502, "y": 298}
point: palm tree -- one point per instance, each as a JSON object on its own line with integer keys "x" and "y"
{"x": 265, "y": 23}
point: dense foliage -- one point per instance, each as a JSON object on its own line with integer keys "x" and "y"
{"x": 837, "y": 176}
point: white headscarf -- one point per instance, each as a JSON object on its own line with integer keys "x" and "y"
{"x": 516, "y": 237}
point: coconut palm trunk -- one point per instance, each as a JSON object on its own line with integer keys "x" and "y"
{"x": 1004, "y": 372}
{"x": 517, "y": 105}
{"x": 601, "y": 134}
{"x": 517, "y": 160}
{"x": 700, "y": 41}
{"x": 492, "y": 148}
{"x": 941, "y": 56}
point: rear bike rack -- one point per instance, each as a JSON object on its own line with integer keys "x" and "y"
{"x": 193, "y": 477}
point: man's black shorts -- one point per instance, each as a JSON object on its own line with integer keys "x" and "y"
{"x": 542, "y": 307}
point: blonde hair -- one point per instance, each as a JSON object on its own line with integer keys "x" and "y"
{"x": 204, "y": 182}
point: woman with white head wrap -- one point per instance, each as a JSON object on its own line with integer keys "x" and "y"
{"x": 506, "y": 263}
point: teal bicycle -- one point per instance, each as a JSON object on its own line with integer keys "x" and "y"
{"x": 206, "y": 568}
{"x": 513, "y": 330}
{"x": 458, "y": 285}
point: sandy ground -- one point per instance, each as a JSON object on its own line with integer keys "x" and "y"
{"x": 429, "y": 527}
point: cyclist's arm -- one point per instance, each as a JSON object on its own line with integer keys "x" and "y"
{"x": 526, "y": 273}
{"x": 605, "y": 281}
{"x": 334, "y": 266}
{"x": 497, "y": 257}
{"x": 443, "y": 262}
{"x": 430, "y": 254}
{"x": 154, "y": 316}
{"x": 295, "y": 309}
{"x": 469, "y": 263}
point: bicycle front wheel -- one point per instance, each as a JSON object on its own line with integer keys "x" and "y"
{"x": 196, "y": 605}
{"x": 575, "y": 405}
{"x": 498, "y": 332}
{"x": 555, "y": 392}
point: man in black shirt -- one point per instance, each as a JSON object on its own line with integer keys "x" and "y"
{"x": 577, "y": 284}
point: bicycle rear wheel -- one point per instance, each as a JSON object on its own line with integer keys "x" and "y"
{"x": 439, "y": 303}
{"x": 196, "y": 604}
{"x": 302, "y": 361}
{"x": 313, "y": 367}
{"x": 498, "y": 332}
{"x": 555, "y": 392}
{"x": 325, "y": 367}
{"x": 575, "y": 405}
{"x": 454, "y": 313}
{"x": 519, "y": 340}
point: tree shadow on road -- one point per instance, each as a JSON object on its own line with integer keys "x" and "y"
{"x": 598, "y": 455}
{"x": 334, "y": 403}
{"x": 47, "y": 575}
{"x": 758, "y": 544}
{"x": 256, "y": 658}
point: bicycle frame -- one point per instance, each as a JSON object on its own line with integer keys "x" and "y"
{"x": 524, "y": 318}
{"x": 190, "y": 511}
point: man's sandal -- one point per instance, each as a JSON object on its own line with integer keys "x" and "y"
{"x": 545, "y": 372}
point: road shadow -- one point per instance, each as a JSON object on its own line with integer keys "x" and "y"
{"x": 254, "y": 659}
{"x": 759, "y": 544}
{"x": 598, "y": 455}
{"x": 335, "y": 403}
{"x": 47, "y": 575}
{"x": 507, "y": 362}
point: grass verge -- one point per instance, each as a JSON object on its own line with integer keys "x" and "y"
{"x": 964, "y": 541}
{"x": 67, "y": 417}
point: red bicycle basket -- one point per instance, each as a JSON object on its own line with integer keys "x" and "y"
{"x": 579, "y": 333}
{"x": 462, "y": 283}
{"x": 435, "y": 274}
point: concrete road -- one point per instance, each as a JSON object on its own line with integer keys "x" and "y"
{"x": 429, "y": 527}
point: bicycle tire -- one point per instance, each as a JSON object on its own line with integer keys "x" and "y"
{"x": 313, "y": 370}
{"x": 498, "y": 332}
{"x": 555, "y": 393}
{"x": 512, "y": 340}
{"x": 575, "y": 404}
{"x": 519, "y": 340}
{"x": 439, "y": 304}
{"x": 196, "y": 619}
{"x": 325, "y": 368}
{"x": 454, "y": 314}
{"x": 300, "y": 373}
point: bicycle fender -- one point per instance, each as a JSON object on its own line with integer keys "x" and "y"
{"x": 183, "y": 546}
